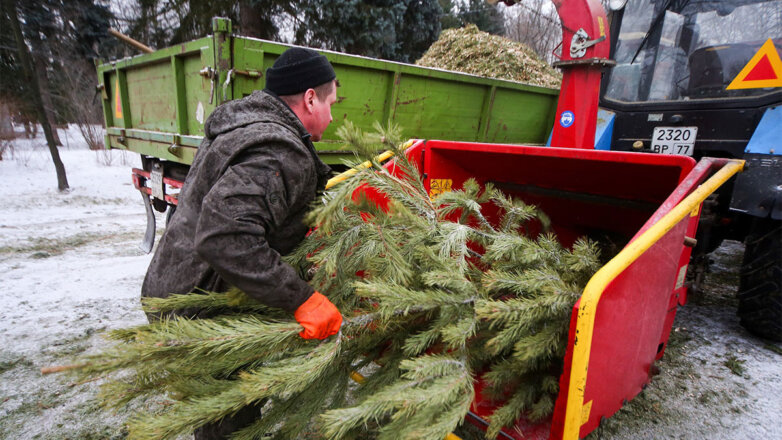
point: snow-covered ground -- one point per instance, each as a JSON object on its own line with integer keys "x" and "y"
{"x": 70, "y": 267}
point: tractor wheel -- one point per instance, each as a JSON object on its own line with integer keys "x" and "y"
{"x": 760, "y": 285}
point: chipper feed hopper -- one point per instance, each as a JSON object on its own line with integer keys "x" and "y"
{"x": 648, "y": 205}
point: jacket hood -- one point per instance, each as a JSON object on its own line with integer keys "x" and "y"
{"x": 261, "y": 106}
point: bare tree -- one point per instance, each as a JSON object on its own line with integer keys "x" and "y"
{"x": 34, "y": 91}
{"x": 535, "y": 24}
{"x": 84, "y": 108}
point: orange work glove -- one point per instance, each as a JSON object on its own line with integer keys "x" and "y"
{"x": 319, "y": 317}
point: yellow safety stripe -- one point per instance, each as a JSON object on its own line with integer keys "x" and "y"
{"x": 343, "y": 176}
{"x": 597, "y": 284}
{"x": 380, "y": 158}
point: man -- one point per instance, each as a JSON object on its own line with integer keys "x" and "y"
{"x": 242, "y": 203}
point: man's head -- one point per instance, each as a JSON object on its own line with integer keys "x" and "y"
{"x": 305, "y": 80}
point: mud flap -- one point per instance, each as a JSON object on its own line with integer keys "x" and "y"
{"x": 149, "y": 236}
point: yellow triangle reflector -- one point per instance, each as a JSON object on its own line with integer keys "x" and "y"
{"x": 762, "y": 71}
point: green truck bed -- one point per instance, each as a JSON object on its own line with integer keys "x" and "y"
{"x": 155, "y": 104}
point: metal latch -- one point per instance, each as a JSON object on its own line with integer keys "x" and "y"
{"x": 580, "y": 43}
{"x": 211, "y": 75}
{"x": 228, "y": 78}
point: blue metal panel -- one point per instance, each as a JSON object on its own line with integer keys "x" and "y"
{"x": 605, "y": 129}
{"x": 767, "y": 138}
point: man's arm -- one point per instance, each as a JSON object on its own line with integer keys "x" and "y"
{"x": 250, "y": 199}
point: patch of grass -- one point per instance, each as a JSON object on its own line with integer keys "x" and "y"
{"x": 735, "y": 365}
{"x": 87, "y": 421}
{"x": 10, "y": 361}
{"x": 92, "y": 200}
{"x": 36, "y": 402}
{"x": 712, "y": 396}
{"x": 73, "y": 345}
{"x": 91, "y": 433}
{"x": 42, "y": 247}
{"x": 72, "y": 350}
{"x": 775, "y": 348}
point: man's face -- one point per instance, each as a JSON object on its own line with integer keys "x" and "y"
{"x": 321, "y": 114}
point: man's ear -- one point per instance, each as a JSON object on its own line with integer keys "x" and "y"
{"x": 309, "y": 100}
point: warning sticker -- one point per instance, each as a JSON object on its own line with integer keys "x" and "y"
{"x": 681, "y": 278}
{"x": 117, "y": 101}
{"x": 762, "y": 71}
{"x": 439, "y": 186}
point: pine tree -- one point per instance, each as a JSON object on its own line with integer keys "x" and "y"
{"x": 434, "y": 295}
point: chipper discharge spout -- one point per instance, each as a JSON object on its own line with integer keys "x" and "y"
{"x": 644, "y": 206}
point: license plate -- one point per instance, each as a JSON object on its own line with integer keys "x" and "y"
{"x": 674, "y": 140}
{"x": 156, "y": 184}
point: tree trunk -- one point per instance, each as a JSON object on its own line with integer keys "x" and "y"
{"x": 6, "y": 126}
{"x": 250, "y": 19}
{"x": 39, "y": 58}
{"x": 43, "y": 82}
{"x": 35, "y": 92}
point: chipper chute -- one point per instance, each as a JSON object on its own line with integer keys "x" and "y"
{"x": 647, "y": 206}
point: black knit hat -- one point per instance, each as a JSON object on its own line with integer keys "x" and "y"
{"x": 297, "y": 70}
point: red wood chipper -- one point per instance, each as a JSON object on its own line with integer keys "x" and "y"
{"x": 650, "y": 204}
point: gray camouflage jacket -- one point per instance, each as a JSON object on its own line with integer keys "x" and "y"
{"x": 241, "y": 207}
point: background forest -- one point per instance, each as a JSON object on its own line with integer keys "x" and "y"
{"x": 64, "y": 38}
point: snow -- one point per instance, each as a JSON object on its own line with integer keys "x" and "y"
{"x": 70, "y": 268}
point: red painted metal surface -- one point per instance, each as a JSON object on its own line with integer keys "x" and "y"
{"x": 140, "y": 178}
{"x": 585, "y": 192}
{"x": 577, "y": 104}
{"x": 167, "y": 180}
{"x": 576, "y": 116}
{"x": 628, "y": 325}
{"x": 634, "y": 316}
{"x": 583, "y": 14}
{"x": 679, "y": 293}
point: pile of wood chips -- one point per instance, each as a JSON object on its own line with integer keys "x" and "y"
{"x": 469, "y": 50}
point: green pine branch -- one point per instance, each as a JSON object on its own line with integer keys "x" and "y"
{"x": 433, "y": 293}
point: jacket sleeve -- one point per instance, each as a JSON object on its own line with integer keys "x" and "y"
{"x": 248, "y": 201}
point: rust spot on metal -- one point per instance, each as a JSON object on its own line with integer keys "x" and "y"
{"x": 412, "y": 101}
{"x": 368, "y": 110}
